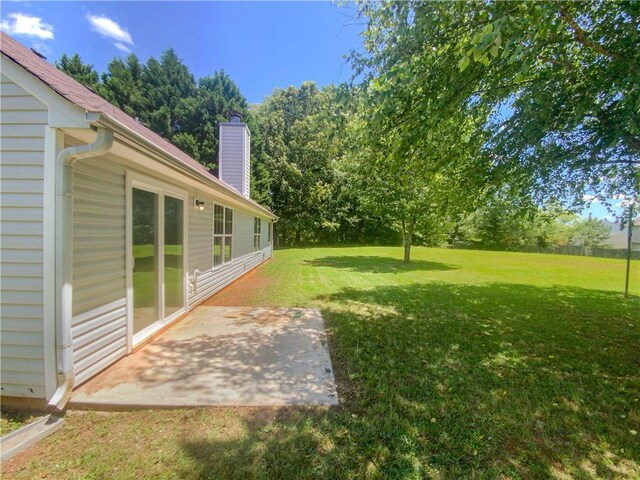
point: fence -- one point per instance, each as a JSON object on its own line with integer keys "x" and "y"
{"x": 565, "y": 250}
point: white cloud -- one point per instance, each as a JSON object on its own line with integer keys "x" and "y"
{"x": 122, "y": 47}
{"x": 27, "y": 25}
{"x": 590, "y": 198}
{"x": 110, "y": 29}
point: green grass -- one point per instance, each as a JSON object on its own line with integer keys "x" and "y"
{"x": 462, "y": 364}
{"x": 144, "y": 276}
{"x": 11, "y": 420}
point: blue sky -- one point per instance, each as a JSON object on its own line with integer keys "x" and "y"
{"x": 261, "y": 45}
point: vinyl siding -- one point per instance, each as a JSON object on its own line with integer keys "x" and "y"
{"x": 204, "y": 280}
{"x": 234, "y": 157}
{"x": 99, "y": 326}
{"x": 22, "y": 131}
{"x": 247, "y": 166}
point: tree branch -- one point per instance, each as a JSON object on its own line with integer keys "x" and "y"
{"x": 622, "y": 162}
{"x": 581, "y": 37}
{"x": 631, "y": 140}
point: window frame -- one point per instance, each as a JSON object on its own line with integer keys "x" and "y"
{"x": 161, "y": 189}
{"x": 257, "y": 232}
{"x": 225, "y": 236}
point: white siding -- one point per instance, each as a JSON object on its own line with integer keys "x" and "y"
{"x": 22, "y": 130}
{"x": 99, "y": 326}
{"x": 200, "y": 236}
{"x": 247, "y": 164}
{"x": 243, "y": 240}
{"x": 205, "y": 280}
{"x": 234, "y": 156}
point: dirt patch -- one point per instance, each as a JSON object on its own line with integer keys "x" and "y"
{"x": 240, "y": 292}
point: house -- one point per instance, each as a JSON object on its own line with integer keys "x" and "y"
{"x": 109, "y": 233}
{"x": 619, "y": 236}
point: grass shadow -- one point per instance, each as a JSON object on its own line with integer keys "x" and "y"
{"x": 377, "y": 264}
{"x": 458, "y": 381}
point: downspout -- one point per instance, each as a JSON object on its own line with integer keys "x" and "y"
{"x": 65, "y": 160}
{"x": 273, "y": 234}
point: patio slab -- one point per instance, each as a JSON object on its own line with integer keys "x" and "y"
{"x": 222, "y": 356}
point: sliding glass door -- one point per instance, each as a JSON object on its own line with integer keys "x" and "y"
{"x": 157, "y": 272}
{"x": 173, "y": 256}
{"x": 145, "y": 259}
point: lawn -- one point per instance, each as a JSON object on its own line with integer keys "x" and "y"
{"x": 462, "y": 364}
{"x": 144, "y": 275}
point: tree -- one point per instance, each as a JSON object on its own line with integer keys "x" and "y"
{"x": 167, "y": 83}
{"x": 590, "y": 233}
{"x": 557, "y": 84}
{"x": 423, "y": 184}
{"x": 199, "y": 115}
{"x": 300, "y": 145}
{"x": 80, "y": 71}
{"x": 164, "y": 96}
{"x": 570, "y": 72}
{"x": 123, "y": 85}
{"x": 503, "y": 223}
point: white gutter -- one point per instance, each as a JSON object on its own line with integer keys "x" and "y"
{"x": 65, "y": 160}
{"x": 101, "y": 145}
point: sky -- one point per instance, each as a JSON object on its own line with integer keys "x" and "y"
{"x": 261, "y": 45}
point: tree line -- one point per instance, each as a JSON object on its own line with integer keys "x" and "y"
{"x": 464, "y": 121}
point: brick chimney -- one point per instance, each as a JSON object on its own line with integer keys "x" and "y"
{"x": 233, "y": 155}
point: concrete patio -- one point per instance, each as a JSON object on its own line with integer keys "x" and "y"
{"x": 222, "y": 356}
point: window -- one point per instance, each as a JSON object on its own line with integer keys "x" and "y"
{"x": 269, "y": 232}
{"x": 228, "y": 234}
{"x": 257, "y": 224}
{"x": 222, "y": 235}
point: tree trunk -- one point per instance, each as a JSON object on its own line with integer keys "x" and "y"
{"x": 407, "y": 249}
{"x": 407, "y": 234}
{"x": 298, "y": 238}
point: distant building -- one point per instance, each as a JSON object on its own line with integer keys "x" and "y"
{"x": 618, "y": 236}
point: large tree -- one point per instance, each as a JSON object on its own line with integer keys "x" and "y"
{"x": 167, "y": 83}
{"x": 123, "y": 85}
{"x": 199, "y": 115}
{"x": 82, "y": 72}
{"x": 301, "y": 143}
{"x": 164, "y": 96}
{"x": 425, "y": 184}
{"x": 558, "y": 85}
{"x": 590, "y": 232}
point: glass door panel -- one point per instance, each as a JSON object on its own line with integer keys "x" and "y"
{"x": 145, "y": 259}
{"x": 173, "y": 256}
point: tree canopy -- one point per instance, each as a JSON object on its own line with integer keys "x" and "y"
{"x": 82, "y": 72}
{"x": 557, "y": 83}
{"x": 164, "y": 95}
